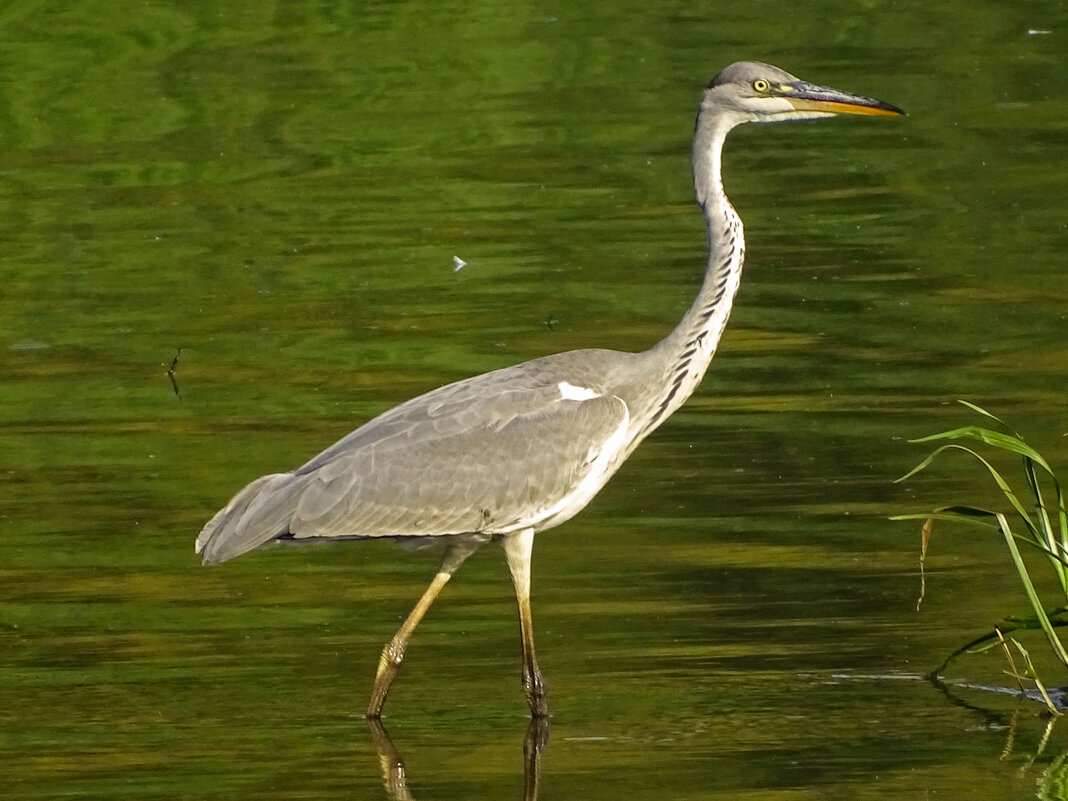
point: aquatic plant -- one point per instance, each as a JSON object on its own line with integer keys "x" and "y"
{"x": 1038, "y": 526}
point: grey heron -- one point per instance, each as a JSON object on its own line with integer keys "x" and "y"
{"x": 505, "y": 455}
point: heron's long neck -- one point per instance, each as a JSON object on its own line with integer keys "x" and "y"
{"x": 686, "y": 351}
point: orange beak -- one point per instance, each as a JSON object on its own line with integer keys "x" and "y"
{"x": 810, "y": 97}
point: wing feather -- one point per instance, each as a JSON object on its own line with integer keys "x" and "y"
{"x": 474, "y": 456}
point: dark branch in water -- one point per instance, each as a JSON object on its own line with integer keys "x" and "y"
{"x": 170, "y": 373}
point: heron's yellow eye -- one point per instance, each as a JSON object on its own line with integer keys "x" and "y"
{"x": 761, "y": 85}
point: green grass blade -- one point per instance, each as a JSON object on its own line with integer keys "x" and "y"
{"x": 1044, "y": 523}
{"x": 997, "y": 439}
{"x": 1007, "y": 491}
{"x": 1062, "y": 520}
{"x": 1040, "y": 502}
{"x": 924, "y": 464}
{"x": 1061, "y": 535}
{"x": 985, "y": 413}
{"x": 1003, "y": 485}
{"x": 1029, "y": 589}
{"x": 952, "y": 517}
{"x": 968, "y": 511}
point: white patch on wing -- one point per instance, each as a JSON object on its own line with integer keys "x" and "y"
{"x": 571, "y": 392}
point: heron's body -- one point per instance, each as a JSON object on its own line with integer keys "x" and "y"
{"x": 522, "y": 449}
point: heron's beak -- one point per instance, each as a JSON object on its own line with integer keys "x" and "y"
{"x": 810, "y": 97}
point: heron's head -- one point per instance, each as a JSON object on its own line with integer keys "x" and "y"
{"x": 749, "y": 91}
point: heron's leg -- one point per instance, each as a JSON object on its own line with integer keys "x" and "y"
{"x": 517, "y": 549}
{"x": 455, "y": 553}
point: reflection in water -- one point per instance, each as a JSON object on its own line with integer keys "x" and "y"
{"x": 1052, "y": 784}
{"x": 395, "y": 778}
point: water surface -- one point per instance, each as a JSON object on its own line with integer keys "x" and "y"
{"x": 279, "y": 190}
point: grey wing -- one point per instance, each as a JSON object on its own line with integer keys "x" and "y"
{"x": 486, "y": 454}
{"x": 496, "y": 473}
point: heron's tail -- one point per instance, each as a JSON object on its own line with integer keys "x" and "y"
{"x": 261, "y": 512}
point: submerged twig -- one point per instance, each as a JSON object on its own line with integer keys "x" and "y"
{"x": 170, "y": 373}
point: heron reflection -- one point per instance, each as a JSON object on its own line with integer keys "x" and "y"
{"x": 395, "y": 777}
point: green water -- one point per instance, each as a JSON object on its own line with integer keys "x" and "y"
{"x": 279, "y": 190}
